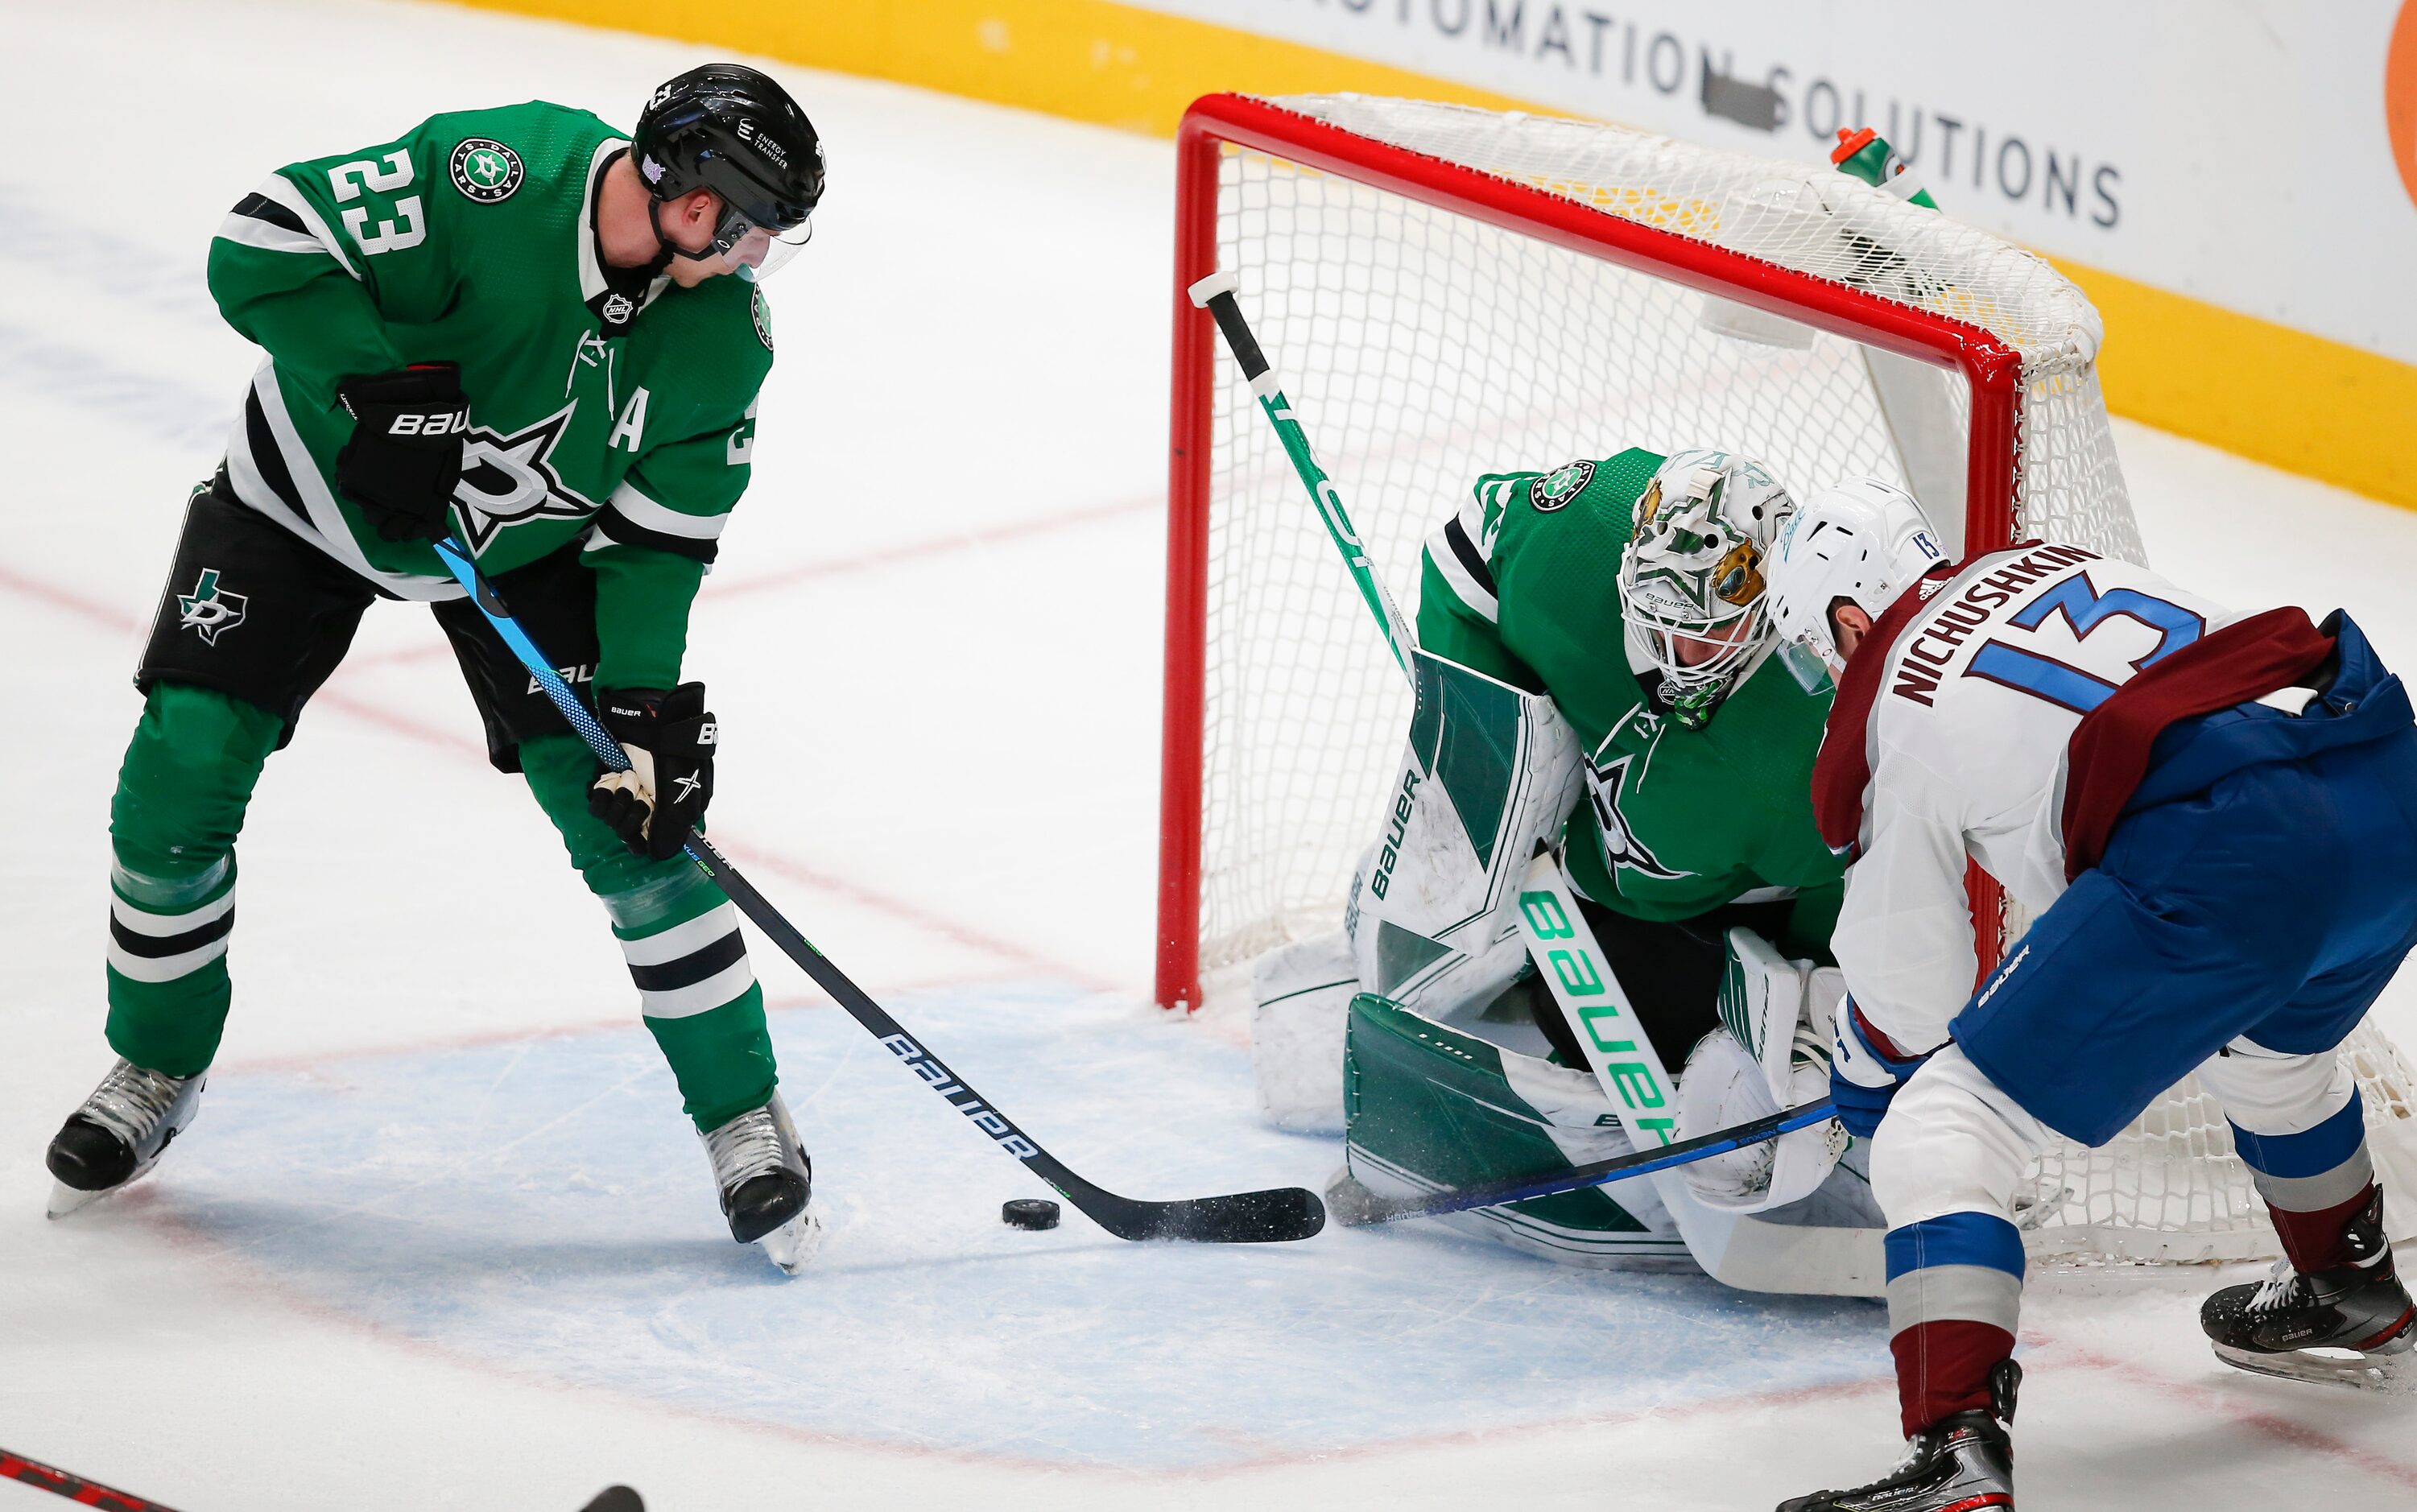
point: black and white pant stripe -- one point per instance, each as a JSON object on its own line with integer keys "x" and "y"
{"x": 692, "y": 967}
{"x": 146, "y": 946}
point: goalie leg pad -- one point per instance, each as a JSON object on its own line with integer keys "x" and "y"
{"x": 1431, "y": 1107}
{"x": 1300, "y": 999}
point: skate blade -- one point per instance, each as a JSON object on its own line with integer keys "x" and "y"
{"x": 794, "y": 1243}
{"x": 66, "y": 1198}
{"x": 2393, "y": 1374}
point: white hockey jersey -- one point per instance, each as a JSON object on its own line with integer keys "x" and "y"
{"x": 1957, "y": 749}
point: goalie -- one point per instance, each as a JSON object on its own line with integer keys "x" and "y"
{"x": 1597, "y": 690}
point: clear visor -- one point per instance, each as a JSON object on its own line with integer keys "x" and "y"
{"x": 756, "y": 253}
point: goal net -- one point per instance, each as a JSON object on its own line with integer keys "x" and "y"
{"x": 1450, "y": 291}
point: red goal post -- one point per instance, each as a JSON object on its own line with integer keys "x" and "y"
{"x": 1991, "y": 368}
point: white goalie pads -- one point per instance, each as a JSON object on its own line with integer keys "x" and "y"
{"x": 1488, "y": 773}
{"x": 1772, "y": 1052}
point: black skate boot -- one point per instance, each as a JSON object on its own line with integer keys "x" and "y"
{"x": 767, "y": 1182}
{"x": 119, "y": 1133}
{"x": 1958, "y": 1464}
{"x": 2359, "y": 1315}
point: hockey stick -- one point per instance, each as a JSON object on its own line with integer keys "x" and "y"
{"x": 1376, "y": 1209}
{"x": 1275, "y": 1215}
{"x": 74, "y": 1487}
{"x": 1215, "y": 293}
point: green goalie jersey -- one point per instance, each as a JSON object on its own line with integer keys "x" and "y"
{"x": 1522, "y": 584}
{"x": 607, "y": 406}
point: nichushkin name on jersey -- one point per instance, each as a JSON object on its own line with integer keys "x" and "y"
{"x": 1919, "y": 671}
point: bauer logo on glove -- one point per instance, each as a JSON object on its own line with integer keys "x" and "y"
{"x": 669, "y": 738}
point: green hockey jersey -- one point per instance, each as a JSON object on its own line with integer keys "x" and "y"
{"x": 1523, "y": 585}
{"x": 606, "y": 406}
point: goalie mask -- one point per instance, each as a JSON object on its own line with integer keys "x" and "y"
{"x": 1691, "y": 577}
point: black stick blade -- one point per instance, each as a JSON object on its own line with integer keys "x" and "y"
{"x": 1277, "y": 1216}
{"x": 615, "y": 1499}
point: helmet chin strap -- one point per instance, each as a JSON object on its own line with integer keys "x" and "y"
{"x": 665, "y": 248}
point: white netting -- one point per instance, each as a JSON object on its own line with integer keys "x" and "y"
{"x": 1423, "y": 348}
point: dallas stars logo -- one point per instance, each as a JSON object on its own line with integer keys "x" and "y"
{"x": 486, "y": 171}
{"x": 1559, "y": 486}
{"x": 206, "y": 611}
{"x": 1620, "y": 846}
{"x": 509, "y": 480}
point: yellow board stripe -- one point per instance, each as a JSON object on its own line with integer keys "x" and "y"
{"x": 2263, "y": 390}
{"x": 2268, "y": 392}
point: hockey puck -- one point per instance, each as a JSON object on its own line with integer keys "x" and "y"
{"x": 615, "y": 1499}
{"x": 1029, "y": 1213}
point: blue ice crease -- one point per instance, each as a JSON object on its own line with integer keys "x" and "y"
{"x": 542, "y": 1205}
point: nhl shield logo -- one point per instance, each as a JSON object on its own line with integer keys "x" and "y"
{"x": 486, "y": 171}
{"x": 207, "y": 612}
{"x": 617, "y": 309}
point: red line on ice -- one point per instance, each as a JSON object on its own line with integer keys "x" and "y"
{"x": 842, "y": 565}
{"x": 442, "y": 739}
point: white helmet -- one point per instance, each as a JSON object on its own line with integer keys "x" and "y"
{"x": 1861, "y": 540}
{"x": 1693, "y": 571}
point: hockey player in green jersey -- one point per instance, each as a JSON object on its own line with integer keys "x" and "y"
{"x": 1597, "y": 676}
{"x": 516, "y": 326}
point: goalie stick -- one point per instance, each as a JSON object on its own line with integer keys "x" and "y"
{"x": 1378, "y": 1209}
{"x": 1273, "y": 1215}
{"x": 1216, "y": 295}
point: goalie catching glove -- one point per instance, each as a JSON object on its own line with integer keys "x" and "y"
{"x": 669, "y": 738}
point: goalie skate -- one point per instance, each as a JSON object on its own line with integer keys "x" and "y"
{"x": 767, "y": 1182}
{"x": 119, "y": 1133}
{"x": 2350, "y": 1326}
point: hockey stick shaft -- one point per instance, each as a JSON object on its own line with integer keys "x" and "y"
{"x": 1215, "y": 293}
{"x": 74, "y": 1487}
{"x": 1280, "y": 1214}
{"x": 1620, "y": 1168}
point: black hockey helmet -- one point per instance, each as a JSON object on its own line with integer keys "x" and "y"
{"x": 732, "y": 129}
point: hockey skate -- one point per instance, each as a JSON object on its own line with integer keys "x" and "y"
{"x": 766, "y": 1182}
{"x": 2350, "y": 1326}
{"x": 1959, "y": 1465}
{"x": 119, "y": 1133}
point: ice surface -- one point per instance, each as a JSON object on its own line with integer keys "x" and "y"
{"x": 536, "y": 1204}
{"x": 441, "y": 1238}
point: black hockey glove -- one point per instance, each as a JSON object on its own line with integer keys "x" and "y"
{"x": 406, "y": 452}
{"x": 669, "y": 739}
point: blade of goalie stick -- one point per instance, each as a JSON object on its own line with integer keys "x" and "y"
{"x": 74, "y": 1487}
{"x": 1379, "y": 1209}
{"x": 1271, "y": 1216}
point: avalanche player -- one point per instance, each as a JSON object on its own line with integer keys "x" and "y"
{"x": 2213, "y": 815}
{"x": 512, "y": 325}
